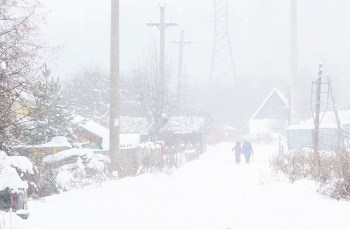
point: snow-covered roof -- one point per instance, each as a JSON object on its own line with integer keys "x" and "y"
{"x": 8, "y": 174}
{"x": 327, "y": 121}
{"x": 274, "y": 91}
{"x": 183, "y": 124}
{"x": 329, "y": 117}
{"x": 59, "y": 141}
{"x": 63, "y": 154}
{"x": 94, "y": 128}
{"x": 309, "y": 126}
{"x": 133, "y": 125}
{"x": 129, "y": 140}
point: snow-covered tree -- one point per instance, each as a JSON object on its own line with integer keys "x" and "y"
{"x": 48, "y": 115}
{"x": 89, "y": 89}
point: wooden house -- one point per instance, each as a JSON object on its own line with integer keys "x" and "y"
{"x": 271, "y": 117}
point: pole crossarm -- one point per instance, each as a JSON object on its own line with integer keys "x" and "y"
{"x": 165, "y": 24}
{"x": 162, "y": 25}
{"x": 181, "y": 44}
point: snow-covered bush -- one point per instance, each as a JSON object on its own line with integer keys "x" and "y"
{"x": 151, "y": 159}
{"x": 145, "y": 158}
{"x": 294, "y": 165}
{"x": 65, "y": 170}
{"x": 330, "y": 169}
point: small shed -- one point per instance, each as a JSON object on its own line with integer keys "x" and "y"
{"x": 302, "y": 135}
{"x": 90, "y": 134}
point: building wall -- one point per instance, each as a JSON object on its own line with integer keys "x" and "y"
{"x": 92, "y": 141}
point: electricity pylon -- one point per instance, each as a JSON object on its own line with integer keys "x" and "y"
{"x": 223, "y": 90}
{"x": 222, "y": 65}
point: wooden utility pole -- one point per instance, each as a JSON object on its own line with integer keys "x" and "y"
{"x": 181, "y": 43}
{"x": 185, "y": 76}
{"x": 341, "y": 144}
{"x": 114, "y": 89}
{"x": 162, "y": 25}
{"x": 318, "y": 106}
{"x": 294, "y": 92}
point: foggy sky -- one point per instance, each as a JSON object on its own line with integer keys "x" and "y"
{"x": 259, "y": 35}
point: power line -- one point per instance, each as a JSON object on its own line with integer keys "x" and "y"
{"x": 143, "y": 9}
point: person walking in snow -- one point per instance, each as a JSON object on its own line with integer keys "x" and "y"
{"x": 238, "y": 150}
{"x": 247, "y": 151}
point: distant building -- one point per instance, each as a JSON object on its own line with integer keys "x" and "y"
{"x": 302, "y": 135}
{"x": 37, "y": 152}
{"x": 179, "y": 135}
{"x": 90, "y": 134}
{"x": 271, "y": 117}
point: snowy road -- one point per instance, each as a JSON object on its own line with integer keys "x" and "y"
{"x": 209, "y": 193}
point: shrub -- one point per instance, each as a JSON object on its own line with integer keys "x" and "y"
{"x": 330, "y": 170}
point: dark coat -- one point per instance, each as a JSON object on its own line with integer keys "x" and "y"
{"x": 238, "y": 151}
{"x": 247, "y": 148}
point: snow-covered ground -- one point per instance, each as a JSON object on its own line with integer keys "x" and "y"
{"x": 209, "y": 193}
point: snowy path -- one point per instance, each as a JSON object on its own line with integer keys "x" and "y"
{"x": 209, "y": 193}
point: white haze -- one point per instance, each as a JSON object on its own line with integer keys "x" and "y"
{"x": 259, "y": 36}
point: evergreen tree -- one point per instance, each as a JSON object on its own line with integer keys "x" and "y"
{"x": 48, "y": 116}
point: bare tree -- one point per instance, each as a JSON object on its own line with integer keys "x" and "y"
{"x": 89, "y": 88}
{"x": 155, "y": 99}
{"x": 22, "y": 54}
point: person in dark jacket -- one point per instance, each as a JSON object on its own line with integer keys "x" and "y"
{"x": 247, "y": 151}
{"x": 238, "y": 151}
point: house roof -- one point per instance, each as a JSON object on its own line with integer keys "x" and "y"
{"x": 275, "y": 91}
{"x": 58, "y": 141}
{"x": 132, "y": 127}
{"x": 94, "y": 128}
{"x": 329, "y": 118}
{"x": 126, "y": 140}
{"x": 183, "y": 124}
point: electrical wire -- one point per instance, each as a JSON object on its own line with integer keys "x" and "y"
{"x": 143, "y": 9}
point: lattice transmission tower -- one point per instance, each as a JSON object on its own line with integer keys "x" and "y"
{"x": 222, "y": 65}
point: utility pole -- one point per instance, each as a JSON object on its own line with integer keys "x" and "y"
{"x": 181, "y": 43}
{"x": 318, "y": 106}
{"x": 294, "y": 93}
{"x": 341, "y": 144}
{"x": 162, "y": 25}
{"x": 114, "y": 90}
{"x": 185, "y": 76}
